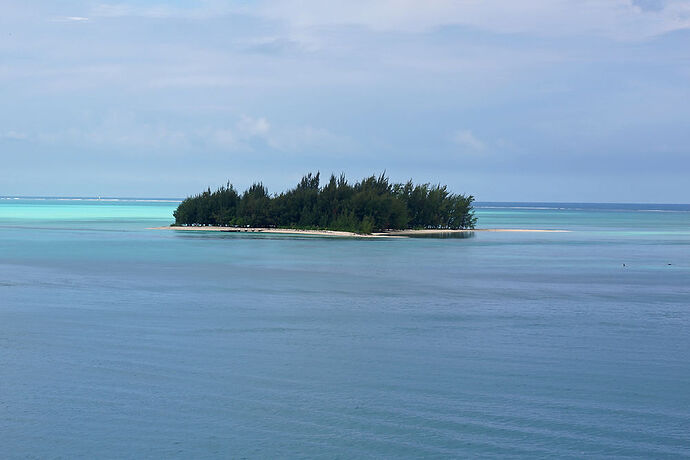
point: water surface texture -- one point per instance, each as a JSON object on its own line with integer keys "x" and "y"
{"x": 122, "y": 342}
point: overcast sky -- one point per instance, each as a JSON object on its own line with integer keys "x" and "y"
{"x": 531, "y": 100}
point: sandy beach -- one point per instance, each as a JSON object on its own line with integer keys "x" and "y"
{"x": 334, "y": 233}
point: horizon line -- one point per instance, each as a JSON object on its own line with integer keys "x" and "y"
{"x": 177, "y": 199}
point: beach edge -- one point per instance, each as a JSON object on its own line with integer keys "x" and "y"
{"x": 343, "y": 234}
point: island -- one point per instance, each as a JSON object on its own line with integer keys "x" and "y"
{"x": 372, "y": 205}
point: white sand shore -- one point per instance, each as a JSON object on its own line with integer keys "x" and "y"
{"x": 388, "y": 234}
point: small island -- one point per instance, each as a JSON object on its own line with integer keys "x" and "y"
{"x": 372, "y": 205}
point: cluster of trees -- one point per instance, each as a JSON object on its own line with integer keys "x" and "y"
{"x": 372, "y": 204}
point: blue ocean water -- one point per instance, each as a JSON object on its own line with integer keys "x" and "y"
{"x": 122, "y": 342}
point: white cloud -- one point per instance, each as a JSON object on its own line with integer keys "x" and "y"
{"x": 13, "y": 135}
{"x": 619, "y": 19}
{"x": 468, "y": 142}
{"x": 622, "y": 19}
{"x": 240, "y": 136}
{"x": 250, "y": 132}
{"x": 199, "y": 10}
{"x": 125, "y": 132}
{"x": 251, "y": 127}
{"x": 71, "y": 19}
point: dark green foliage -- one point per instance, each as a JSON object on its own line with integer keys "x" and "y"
{"x": 373, "y": 204}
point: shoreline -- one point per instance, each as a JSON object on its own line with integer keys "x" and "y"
{"x": 343, "y": 234}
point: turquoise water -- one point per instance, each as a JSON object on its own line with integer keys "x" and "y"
{"x": 122, "y": 342}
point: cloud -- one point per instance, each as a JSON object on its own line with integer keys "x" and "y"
{"x": 251, "y": 133}
{"x": 622, "y": 19}
{"x": 650, "y": 5}
{"x": 196, "y": 10}
{"x": 273, "y": 45}
{"x": 240, "y": 136}
{"x": 70, "y": 19}
{"x": 13, "y": 136}
{"x": 121, "y": 131}
{"x": 251, "y": 127}
{"x": 125, "y": 132}
{"x": 468, "y": 142}
{"x": 282, "y": 80}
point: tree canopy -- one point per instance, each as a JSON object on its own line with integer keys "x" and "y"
{"x": 372, "y": 204}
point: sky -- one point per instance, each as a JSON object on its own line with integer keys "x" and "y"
{"x": 536, "y": 100}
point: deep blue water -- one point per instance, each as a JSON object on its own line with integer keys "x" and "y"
{"x": 121, "y": 342}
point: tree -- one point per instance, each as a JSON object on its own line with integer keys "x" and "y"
{"x": 372, "y": 204}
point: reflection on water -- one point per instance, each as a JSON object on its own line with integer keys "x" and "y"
{"x": 442, "y": 235}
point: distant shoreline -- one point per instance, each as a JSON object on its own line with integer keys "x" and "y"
{"x": 334, "y": 233}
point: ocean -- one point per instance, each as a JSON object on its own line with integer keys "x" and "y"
{"x": 122, "y": 342}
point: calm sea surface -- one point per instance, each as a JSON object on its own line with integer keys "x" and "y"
{"x": 122, "y": 342}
